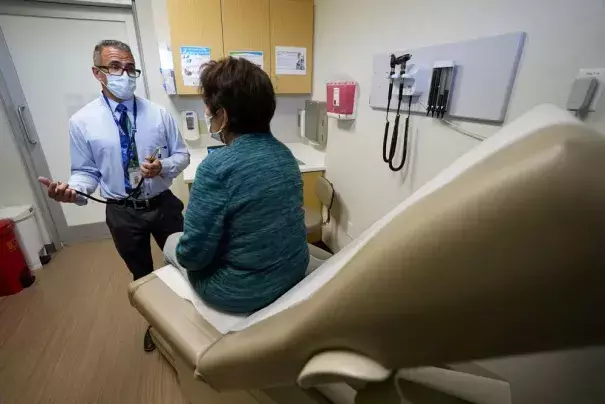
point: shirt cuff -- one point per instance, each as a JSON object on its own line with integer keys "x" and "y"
{"x": 167, "y": 167}
{"x": 80, "y": 200}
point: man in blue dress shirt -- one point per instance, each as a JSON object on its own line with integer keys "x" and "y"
{"x": 117, "y": 140}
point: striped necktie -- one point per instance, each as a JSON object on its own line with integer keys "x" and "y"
{"x": 129, "y": 158}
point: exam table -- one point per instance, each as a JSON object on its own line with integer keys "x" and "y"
{"x": 500, "y": 254}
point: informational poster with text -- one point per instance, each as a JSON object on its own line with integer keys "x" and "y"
{"x": 255, "y": 57}
{"x": 291, "y": 60}
{"x": 192, "y": 60}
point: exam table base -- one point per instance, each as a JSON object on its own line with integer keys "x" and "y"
{"x": 166, "y": 310}
{"x": 199, "y": 393}
{"x": 195, "y": 390}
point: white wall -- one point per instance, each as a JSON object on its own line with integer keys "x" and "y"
{"x": 16, "y": 188}
{"x": 285, "y": 121}
{"x": 563, "y": 36}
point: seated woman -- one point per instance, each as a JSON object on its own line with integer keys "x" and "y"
{"x": 244, "y": 241}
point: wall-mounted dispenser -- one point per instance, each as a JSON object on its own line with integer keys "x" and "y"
{"x": 313, "y": 123}
{"x": 342, "y": 99}
{"x": 190, "y": 124}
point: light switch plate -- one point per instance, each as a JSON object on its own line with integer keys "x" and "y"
{"x": 599, "y": 73}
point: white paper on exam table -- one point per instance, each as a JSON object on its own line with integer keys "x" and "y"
{"x": 174, "y": 279}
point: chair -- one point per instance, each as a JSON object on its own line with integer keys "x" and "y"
{"x": 314, "y": 220}
{"x": 500, "y": 254}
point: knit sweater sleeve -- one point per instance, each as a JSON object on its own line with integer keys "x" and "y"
{"x": 204, "y": 220}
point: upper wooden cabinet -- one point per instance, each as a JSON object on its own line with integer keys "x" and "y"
{"x": 194, "y": 23}
{"x": 246, "y": 28}
{"x": 227, "y": 26}
{"x": 292, "y": 25}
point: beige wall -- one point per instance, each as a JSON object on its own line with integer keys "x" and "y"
{"x": 563, "y": 36}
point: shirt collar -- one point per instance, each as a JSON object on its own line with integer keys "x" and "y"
{"x": 129, "y": 104}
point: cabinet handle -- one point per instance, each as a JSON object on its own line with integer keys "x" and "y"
{"x": 20, "y": 110}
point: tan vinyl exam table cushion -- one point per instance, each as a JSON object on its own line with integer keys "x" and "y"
{"x": 502, "y": 253}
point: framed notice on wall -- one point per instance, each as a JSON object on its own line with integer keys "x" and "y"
{"x": 255, "y": 57}
{"x": 290, "y": 60}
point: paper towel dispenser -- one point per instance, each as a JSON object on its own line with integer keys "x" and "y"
{"x": 313, "y": 122}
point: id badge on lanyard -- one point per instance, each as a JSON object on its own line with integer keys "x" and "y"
{"x": 134, "y": 170}
{"x": 134, "y": 176}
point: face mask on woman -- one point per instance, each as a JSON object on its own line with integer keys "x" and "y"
{"x": 121, "y": 86}
{"x": 215, "y": 135}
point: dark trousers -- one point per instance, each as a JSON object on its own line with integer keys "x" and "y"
{"x": 131, "y": 230}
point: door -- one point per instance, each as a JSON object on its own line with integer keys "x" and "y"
{"x": 17, "y": 187}
{"x": 292, "y": 26}
{"x": 246, "y": 28}
{"x": 193, "y": 23}
{"x": 50, "y": 47}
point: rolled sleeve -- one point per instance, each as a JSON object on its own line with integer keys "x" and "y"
{"x": 178, "y": 153}
{"x": 85, "y": 175}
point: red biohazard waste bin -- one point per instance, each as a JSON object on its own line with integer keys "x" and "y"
{"x": 14, "y": 273}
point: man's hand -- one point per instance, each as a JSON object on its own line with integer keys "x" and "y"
{"x": 151, "y": 168}
{"x": 59, "y": 191}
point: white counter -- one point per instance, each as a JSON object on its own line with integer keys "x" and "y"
{"x": 311, "y": 158}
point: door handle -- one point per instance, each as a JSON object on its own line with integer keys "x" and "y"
{"x": 20, "y": 110}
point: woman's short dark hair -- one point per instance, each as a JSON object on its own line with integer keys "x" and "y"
{"x": 243, "y": 89}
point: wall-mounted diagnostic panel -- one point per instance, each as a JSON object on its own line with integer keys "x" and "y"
{"x": 440, "y": 91}
{"x": 471, "y": 79}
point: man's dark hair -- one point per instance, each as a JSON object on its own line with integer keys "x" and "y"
{"x": 243, "y": 89}
{"x": 107, "y": 43}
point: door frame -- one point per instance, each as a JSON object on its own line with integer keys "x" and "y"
{"x": 11, "y": 93}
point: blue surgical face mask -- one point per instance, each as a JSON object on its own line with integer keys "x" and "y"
{"x": 215, "y": 135}
{"x": 121, "y": 86}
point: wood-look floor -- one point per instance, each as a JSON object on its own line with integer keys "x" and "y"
{"x": 73, "y": 337}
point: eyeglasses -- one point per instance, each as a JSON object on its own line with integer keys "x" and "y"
{"x": 119, "y": 70}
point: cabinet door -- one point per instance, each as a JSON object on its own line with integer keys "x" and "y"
{"x": 246, "y": 28}
{"x": 292, "y": 25}
{"x": 194, "y": 23}
{"x": 311, "y": 200}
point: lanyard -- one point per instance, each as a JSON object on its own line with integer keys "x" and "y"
{"x": 131, "y": 140}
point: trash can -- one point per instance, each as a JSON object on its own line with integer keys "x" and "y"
{"x": 14, "y": 273}
{"x": 27, "y": 232}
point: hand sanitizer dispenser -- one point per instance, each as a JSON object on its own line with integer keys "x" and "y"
{"x": 191, "y": 125}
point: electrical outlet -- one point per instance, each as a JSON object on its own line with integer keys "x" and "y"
{"x": 599, "y": 74}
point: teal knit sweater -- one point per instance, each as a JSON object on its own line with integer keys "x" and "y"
{"x": 244, "y": 242}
